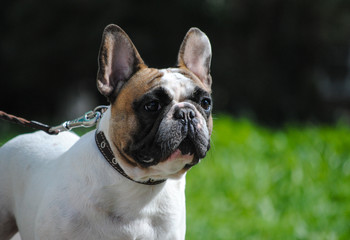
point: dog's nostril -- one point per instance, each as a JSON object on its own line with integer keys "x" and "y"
{"x": 191, "y": 114}
{"x": 179, "y": 114}
{"x": 184, "y": 114}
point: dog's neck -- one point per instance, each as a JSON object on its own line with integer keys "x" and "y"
{"x": 105, "y": 148}
{"x": 104, "y": 127}
{"x": 136, "y": 173}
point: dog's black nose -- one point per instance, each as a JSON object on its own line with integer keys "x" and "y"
{"x": 184, "y": 114}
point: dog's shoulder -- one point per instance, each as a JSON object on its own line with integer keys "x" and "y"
{"x": 39, "y": 144}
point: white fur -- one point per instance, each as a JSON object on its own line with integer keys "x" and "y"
{"x": 61, "y": 187}
{"x": 179, "y": 86}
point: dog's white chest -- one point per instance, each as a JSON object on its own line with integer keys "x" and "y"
{"x": 149, "y": 223}
{"x": 111, "y": 214}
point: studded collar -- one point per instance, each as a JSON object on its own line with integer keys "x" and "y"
{"x": 106, "y": 151}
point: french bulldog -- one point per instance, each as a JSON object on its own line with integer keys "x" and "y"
{"x": 126, "y": 179}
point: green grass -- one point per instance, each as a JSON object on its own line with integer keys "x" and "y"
{"x": 258, "y": 183}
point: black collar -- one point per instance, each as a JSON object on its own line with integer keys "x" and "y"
{"x": 106, "y": 151}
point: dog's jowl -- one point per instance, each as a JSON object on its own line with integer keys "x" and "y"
{"x": 126, "y": 179}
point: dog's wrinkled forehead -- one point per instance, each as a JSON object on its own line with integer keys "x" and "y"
{"x": 177, "y": 84}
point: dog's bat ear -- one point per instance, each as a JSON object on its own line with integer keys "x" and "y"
{"x": 118, "y": 60}
{"x": 195, "y": 55}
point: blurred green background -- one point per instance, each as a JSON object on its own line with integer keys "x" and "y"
{"x": 279, "y": 167}
{"x": 261, "y": 183}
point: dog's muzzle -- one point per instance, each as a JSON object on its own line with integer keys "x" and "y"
{"x": 186, "y": 132}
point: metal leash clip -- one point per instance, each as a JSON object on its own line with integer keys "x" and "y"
{"x": 89, "y": 119}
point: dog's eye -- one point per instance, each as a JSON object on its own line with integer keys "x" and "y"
{"x": 205, "y": 104}
{"x": 152, "y": 106}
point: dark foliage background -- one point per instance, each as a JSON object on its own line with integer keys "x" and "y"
{"x": 274, "y": 61}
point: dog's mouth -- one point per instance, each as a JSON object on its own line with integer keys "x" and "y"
{"x": 187, "y": 147}
{"x": 187, "y": 151}
{"x": 181, "y": 143}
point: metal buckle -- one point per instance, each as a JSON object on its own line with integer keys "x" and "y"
{"x": 89, "y": 119}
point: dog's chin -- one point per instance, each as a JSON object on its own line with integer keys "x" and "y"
{"x": 179, "y": 156}
{"x": 186, "y": 161}
{"x": 174, "y": 166}
{"x": 181, "y": 160}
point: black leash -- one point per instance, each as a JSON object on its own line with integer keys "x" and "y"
{"x": 89, "y": 119}
{"x": 26, "y": 123}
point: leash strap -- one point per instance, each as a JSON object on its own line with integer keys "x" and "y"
{"x": 105, "y": 149}
{"x": 27, "y": 123}
{"x": 89, "y": 119}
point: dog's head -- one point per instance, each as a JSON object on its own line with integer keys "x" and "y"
{"x": 160, "y": 120}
